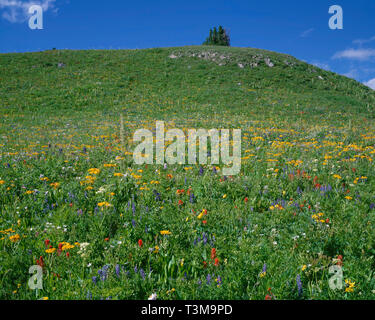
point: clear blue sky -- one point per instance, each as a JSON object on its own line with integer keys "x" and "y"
{"x": 299, "y": 28}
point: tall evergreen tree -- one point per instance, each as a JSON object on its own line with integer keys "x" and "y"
{"x": 221, "y": 36}
{"x": 215, "y": 36}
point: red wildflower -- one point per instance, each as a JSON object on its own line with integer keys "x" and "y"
{"x": 204, "y": 221}
{"x": 216, "y": 262}
{"x": 213, "y": 253}
{"x": 268, "y": 297}
{"x": 106, "y": 239}
{"x": 40, "y": 262}
{"x": 140, "y": 243}
{"x": 180, "y": 202}
{"x": 246, "y": 199}
{"x": 47, "y": 242}
{"x": 67, "y": 254}
{"x": 204, "y": 264}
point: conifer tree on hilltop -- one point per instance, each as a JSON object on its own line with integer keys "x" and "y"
{"x": 218, "y": 37}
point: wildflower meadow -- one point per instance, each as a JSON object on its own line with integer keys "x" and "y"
{"x": 297, "y": 221}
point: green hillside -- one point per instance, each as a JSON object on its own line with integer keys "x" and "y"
{"x": 216, "y": 79}
{"x": 73, "y": 201}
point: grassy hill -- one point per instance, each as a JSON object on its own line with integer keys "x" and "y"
{"x": 197, "y": 78}
{"x": 73, "y": 201}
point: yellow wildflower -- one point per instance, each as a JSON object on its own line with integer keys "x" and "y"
{"x": 15, "y": 238}
{"x": 165, "y": 232}
{"x": 55, "y": 185}
{"x": 104, "y": 204}
{"x": 94, "y": 171}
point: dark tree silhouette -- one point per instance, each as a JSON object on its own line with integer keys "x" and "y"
{"x": 218, "y": 37}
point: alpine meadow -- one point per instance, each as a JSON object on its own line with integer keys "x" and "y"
{"x": 297, "y": 221}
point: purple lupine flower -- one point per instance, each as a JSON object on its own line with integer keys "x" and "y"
{"x": 133, "y": 223}
{"x": 214, "y": 169}
{"x": 135, "y": 269}
{"x": 204, "y": 238}
{"x": 199, "y": 283}
{"x": 299, "y": 285}
{"x": 218, "y": 281}
{"x": 94, "y": 279}
{"x": 117, "y": 270}
{"x": 157, "y": 196}
{"x": 208, "y": 278}
{"x": 299, "y": 191}
{"x": 133, "y": 208}
{"x": 372, "y": 206}
{"x": 103, "y": 273}
{"x": 142, "y": 273}
{"x": 264, "y": 268}
{"x": 200, "y": 170}
{"x": 191, "y": 197}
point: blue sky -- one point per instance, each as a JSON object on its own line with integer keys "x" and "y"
{"x": 299, "y": 28}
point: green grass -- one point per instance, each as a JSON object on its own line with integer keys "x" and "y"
{"x": 307, "y": 146}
